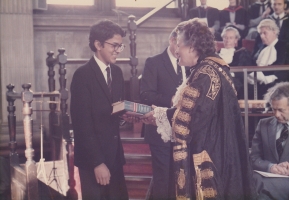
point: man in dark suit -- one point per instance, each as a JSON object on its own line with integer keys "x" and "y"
{"x": 160, "y": 78}
{"x": 209, "y": 14}
{"x": 258, "y": 11}
{"x": 98, "y": 151}
{"x": 282, "y": 20}
{"x": 270, "y": 146}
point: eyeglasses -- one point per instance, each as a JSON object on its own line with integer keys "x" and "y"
{"x": 117, "y": 47}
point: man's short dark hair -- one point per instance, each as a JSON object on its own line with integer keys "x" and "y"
{"x": 102, "y": 31}
{"x": 277, "y": 92}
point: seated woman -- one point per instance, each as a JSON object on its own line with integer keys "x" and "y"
{"x": 235, "y": 56}
{"x": 236, "y": 16}
{"x": 271, "y": 53}
{"x": 210, "y": 155}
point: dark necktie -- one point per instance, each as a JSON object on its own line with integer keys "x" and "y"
{"x": 259, "y": 51}
{"x": 179, "y": 74}
{"x": 108, "y": 78}
{"x": 282, "y": 138}
{"x": 278, "y": 21}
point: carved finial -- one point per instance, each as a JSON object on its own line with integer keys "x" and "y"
{"x": 62, "y": 57}
{"x": 131, "y": 23}
{"x": 10, "y": 87}
{"x": 50, "y": 60}
{"x": 26, "y": 86}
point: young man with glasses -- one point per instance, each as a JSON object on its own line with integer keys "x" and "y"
{"x": 95, "y": 86}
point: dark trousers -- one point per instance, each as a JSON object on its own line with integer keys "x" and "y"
{"x": 162, "y": 165}
{"x": 91, "y": 190}
{"x": 271, "y": 188}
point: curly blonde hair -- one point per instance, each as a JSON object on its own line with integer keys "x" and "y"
{"x": 196, "y": 34}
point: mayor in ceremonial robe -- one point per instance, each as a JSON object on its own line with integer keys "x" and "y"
{"x": 209, "y": 150}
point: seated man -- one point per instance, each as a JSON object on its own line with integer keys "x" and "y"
{"x": 270, "y": 146}
{"x": 258, "y": 11}
{"x": 208, "y": 14}
{"x": 235, "y": 56}
{"x": 281, "y": 19}
{"x": 271, "y": 53}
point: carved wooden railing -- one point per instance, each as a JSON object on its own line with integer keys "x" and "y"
{"x": 60, "y": 123}
{"x": 24, "y": 182}
{"x": 245, "y": 70}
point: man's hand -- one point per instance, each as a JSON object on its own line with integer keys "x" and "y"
{"x": 266, "y": 12}
{"x": 278, "y": 169}
{"x": 102, "y": 174}
{"x": 285, "y": 166}
{"x": 130, "y": 118}
{"x": 149, "y": 118}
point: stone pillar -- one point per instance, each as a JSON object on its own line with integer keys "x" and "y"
{"x": 16, "y": 52}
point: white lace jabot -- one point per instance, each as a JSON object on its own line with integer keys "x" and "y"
{"x": 227, "y": 54}
{"x": 268, "y": 55}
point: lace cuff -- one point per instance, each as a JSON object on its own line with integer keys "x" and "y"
{"x": 163, "y": 124}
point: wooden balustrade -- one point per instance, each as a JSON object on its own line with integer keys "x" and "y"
{"x": 24, "y": 182}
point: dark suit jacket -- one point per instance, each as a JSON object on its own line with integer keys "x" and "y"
{"x": 240, "y": 18}
{"x": 280, "y": 47}
{"x": 254, "y": 10}
{"x": 96, "y": 131}
{"x": 212, "y": 14}
{"x": 263, "y": 145}
{"x": 158, "y": 86}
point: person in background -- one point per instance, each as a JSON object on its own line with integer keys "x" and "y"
{"x": 235, "y": 56}
{"x": 258, "y": 11}
{"x": 160, "y": 79}
{"x": 271, "y": 53}
{"x": 210, "y": 153}
{"x": 281, "y": 18}
{"x": 95, "y": 86}
{"x": 270, "y": 146}
{"x": 209, "y": 15}
{"x": 235, "y": 16}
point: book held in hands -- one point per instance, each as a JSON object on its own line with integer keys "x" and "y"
{"x": 130, "y": 108}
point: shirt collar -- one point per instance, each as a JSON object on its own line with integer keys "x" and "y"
{"x": 280, "y": 16}
{"x": 171, "y": 56}
{"x": 101, "y": 65}
{"x": 265, "y": 2}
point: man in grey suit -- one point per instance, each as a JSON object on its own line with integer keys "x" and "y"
{"x": 270, "y": 146}
{"x": 160, "y": 78}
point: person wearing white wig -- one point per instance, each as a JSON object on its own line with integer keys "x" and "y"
{"x": 272, "y": 52}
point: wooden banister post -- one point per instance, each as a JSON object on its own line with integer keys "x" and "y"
{"x": 53, "y": 118}
{"x": 134, "y": 82}
{"x": 30, "y": 166}
{"x": 14, "y": 159}
{"x": 184, "y": 8}
{"x": 64, "y": 124}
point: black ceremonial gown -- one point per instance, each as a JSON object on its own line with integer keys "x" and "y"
{"x": 210, "y": 153}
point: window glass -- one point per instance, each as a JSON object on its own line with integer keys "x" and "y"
{"x": 143, "y": 3}
{"x": 219, "y": 4}
{"x": 72, "y": 2}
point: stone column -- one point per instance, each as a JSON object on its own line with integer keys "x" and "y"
{"x": 17, "y": 50}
